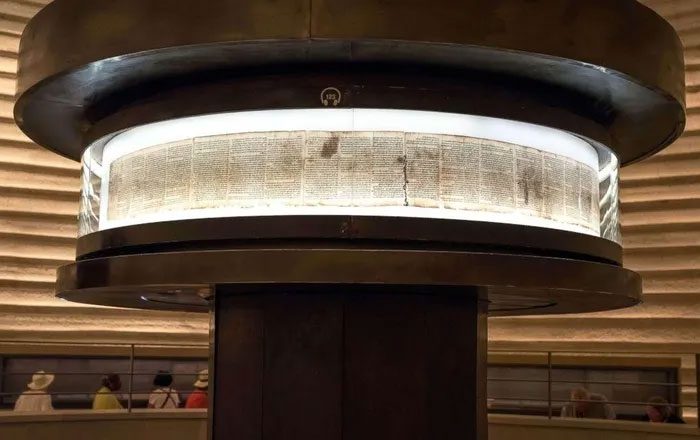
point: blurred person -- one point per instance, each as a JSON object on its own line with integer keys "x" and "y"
{"x": 163, "y": 396}
{"x": 659, "y": 411}
{"x": 36, "y": 399}
{"x": 587, "y": 405}
{"x": 200, "y": 396}
{"x": 105, "y": 398}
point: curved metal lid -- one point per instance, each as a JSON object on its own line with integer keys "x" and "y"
{"x": 610, "y": 71}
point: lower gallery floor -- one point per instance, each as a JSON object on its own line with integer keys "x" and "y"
{"x": 191, "y": 425}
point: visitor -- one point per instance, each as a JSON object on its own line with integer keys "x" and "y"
{"x": 587, "y": 405}
{"x": 36, "y": 399}
{"x": 163, "y": 396}
{"x": 659, "y": 411}
{"x": 199, "y": 397}
{"x": 105, "y": 398}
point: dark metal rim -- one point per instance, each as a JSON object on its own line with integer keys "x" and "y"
{"x": 202, "y": 234}
{"x": 569, "y": 285}
{"x": 610, "y": 108}
{"x": 559, "y": 28}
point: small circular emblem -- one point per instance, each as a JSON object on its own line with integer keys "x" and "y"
{"x": 331, "y": 97}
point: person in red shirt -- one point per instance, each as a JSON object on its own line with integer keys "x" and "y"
{"x": 200, "y": 396}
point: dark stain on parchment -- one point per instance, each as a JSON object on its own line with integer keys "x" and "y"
{"x": 530, "y": 183}
{"x": 330, "y": 147}
{"x": 427, "y": 154}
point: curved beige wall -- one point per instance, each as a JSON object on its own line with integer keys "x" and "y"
{"x": 661, "y": 225}
{"x": 661, "y": 233}
{"x": 661, "y": 218}
{"x": 106, "y": 425}
{"x": 503, "y": 427}
{"x": 38, "y": 209}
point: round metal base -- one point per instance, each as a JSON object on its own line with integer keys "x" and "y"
{"x": 307, "y": 230}
{"x": 183, "y": 280}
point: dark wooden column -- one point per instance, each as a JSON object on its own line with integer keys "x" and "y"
{"x": 348, "y": 366}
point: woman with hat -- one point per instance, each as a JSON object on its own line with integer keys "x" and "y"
{"x": 36, "y": 399}
{"x": 199, "y": 397}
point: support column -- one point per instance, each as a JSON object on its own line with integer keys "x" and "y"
{"x": 348, "y": 366}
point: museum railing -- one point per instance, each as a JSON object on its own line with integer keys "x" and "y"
{"x": 519, "y": 381}
{"x": 543, "y": 382}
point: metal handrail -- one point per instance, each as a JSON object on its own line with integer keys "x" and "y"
{"x": 490, "y": 379}
{"x": 611, "y": 402}
{"x": 24, "y": 342}
{"x": 697, "y": 386}
{"x": 519, "y": 399}
{"x": 92, "y": 373}
{"x": 132, "y": 360}
{"x": 131, "y": 354}
{"x": 82, "y": 393}
{"x": 549, "y": 385}
{"x": 595, "y": 382}
{"x": 555, "y": 351}
{"x": 206, "y": 346}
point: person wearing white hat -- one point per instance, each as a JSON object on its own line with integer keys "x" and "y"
{"x": 36, "y": 399}
{"x": 199, "y": 397}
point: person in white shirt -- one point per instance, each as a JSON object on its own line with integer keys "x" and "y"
{"x": 587, "y": 405}
{"x": 36, "y": 399}
{"x": 163, "y": 396}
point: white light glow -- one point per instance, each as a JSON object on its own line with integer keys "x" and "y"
{"x": 384, "y": 211}
{"x": 342, "y": 120}
{"x": 519, "y": 133}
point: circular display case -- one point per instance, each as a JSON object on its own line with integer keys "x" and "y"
{"x": 450, "y": 147}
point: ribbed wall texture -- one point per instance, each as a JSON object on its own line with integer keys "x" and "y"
{"x": 661, "y": 216}
{"x": 661, "y": 233}
{"x": 38, "y": 206}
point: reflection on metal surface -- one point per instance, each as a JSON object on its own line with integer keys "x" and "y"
{"x": 570, "y": 285}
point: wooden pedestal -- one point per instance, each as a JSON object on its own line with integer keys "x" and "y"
{"x": 348, "y": 366}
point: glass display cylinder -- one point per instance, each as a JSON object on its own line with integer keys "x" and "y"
{"x": 364, "y": 162}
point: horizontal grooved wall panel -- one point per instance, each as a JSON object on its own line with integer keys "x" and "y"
{"x": 661, "y": 232}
